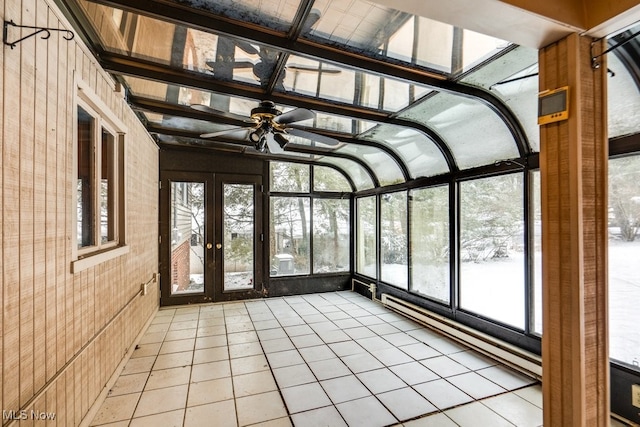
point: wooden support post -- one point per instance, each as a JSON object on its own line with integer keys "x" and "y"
{"x": 573, "y": 166}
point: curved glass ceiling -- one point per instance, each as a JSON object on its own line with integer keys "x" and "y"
{"x": 624, "y": 99}
{"x": 392, "y": 118}
{"x": 473, "y": 132}
{"x": 419, "y": 153}
{"x": 513, "y": 77}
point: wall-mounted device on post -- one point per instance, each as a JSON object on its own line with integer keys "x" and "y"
{"x": 553, "y": 105}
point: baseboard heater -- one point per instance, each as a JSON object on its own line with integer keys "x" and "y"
{"x": 522, "y": 360}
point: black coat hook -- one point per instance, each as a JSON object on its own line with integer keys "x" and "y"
{"x": 46, "y": 31}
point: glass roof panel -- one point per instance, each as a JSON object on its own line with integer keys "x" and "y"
{"x": 226, "y": 58}
{"x": 275, "y": 14}
{"x": 513, "y": 77}
{"x": 342, "y": 84}
{"x": 188, "y": 96}
{"x": 419, "y": 152}
{"x": 478, "y": 47}
{"x": 386, "y": 169}
{"x": 358, "y": 174}
{"x": 474, "y": 133}
{"x": 623, "y": 99}
{"x": 374, "y": 30}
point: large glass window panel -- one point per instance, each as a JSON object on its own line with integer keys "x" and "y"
{"x": 474, "y": 133}
{"x": 366, "y": 242}
{"x": 394, "y": 251}
{"x": 187, "y": 237}
{"x": 535, "y": 248}
{"x": 492, "y": 248}
{"x": 289, "y": 242}
{"x": 289, "y": 177}
{"x": 329, "y": 179}
{"x": 624, "y": 253}
{"x": 514, "y": 79}
{"x": 420, "y": 154}
{"x": 331, "y": 235}
{"x": 429, "y": 219}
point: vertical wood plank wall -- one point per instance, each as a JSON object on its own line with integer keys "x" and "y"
{"x": 63, "y": 334}
{"x": 573, "y": 165}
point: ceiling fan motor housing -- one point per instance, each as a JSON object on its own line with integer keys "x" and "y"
{"x": 266, "y": 110}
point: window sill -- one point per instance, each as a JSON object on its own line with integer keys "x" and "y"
{"x": 93, "y": 260}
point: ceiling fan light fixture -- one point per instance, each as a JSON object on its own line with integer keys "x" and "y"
{"x": 281, "y": 140}
{"x": 256, "y": 135}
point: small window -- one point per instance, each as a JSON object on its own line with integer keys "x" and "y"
{"x": 99, "y": 182}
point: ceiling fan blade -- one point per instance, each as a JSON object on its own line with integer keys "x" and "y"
{"x": 226, "y": 131}
{"x": 327, "y": 140}
{"x": 207, "y": 109}
{"x": 273, "y": 146}
{"x": 297, "y": 115}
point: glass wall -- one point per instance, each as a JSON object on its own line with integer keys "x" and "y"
{"x": 331, "y": 222}
{"x": 366, "y": 243}
{"x": 394, "y": 251}
{"x": 492, "y": 248}
{"x": 309, "y": 232}
{"x": 429, "y": 222}
{"x": 289, "y": 243}
{"x": 624, "y": 253}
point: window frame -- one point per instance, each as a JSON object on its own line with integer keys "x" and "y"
{"x": 103, "y": 120}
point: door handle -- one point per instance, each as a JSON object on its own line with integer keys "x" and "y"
{"x": 209, "y": 245}
{"x": 218, "y": 245}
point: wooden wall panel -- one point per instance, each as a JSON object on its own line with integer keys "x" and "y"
{"x": 39, "y": 210}
{"x": 63, "y": 334}
{"x": 27, "y": 105}
{"x": 573, "y": 165}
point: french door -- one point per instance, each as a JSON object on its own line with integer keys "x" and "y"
{"x": 211, "y": 237}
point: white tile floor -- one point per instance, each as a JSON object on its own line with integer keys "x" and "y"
{"x": 334, "y": 359}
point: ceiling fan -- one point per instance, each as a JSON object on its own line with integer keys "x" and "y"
{"x": 270, "y": 126}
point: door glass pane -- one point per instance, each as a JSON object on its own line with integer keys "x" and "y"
{"x": 289, "y": 245}
{"x": 238, "y": 236}
{"x": 624, "y": 253}
{"x": 366, "y": 249}
{"x": 430, "y": 242}
{"x": 330, "y": 235}
{"x": 492, "y": 248}
{"x": 393, "y": 239}
{"x": 187, "y": 237}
